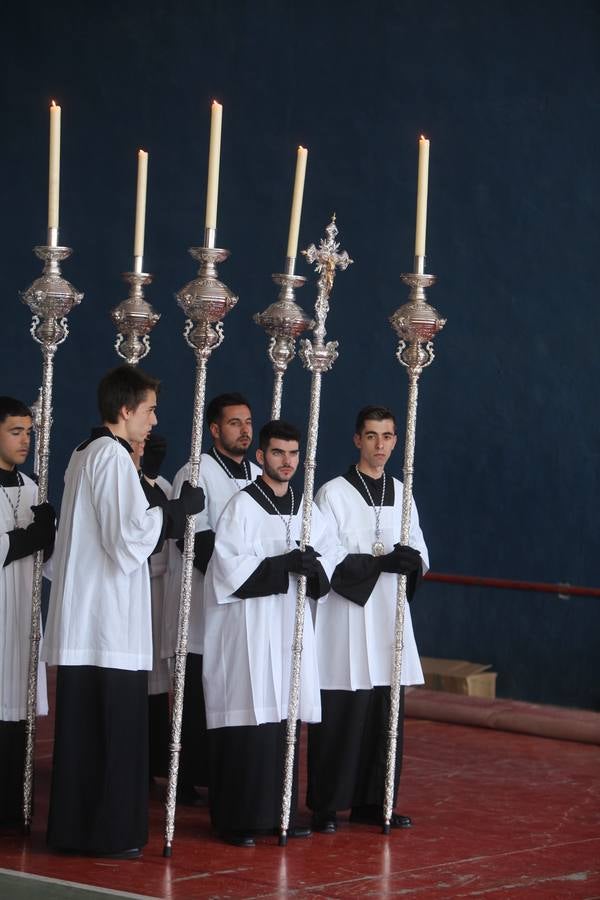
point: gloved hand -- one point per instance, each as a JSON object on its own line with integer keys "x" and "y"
{"x": 301, "y": 562}
{"x": 189, "y": 503}
{"x": 43, "y": 528}
{"x": 155, "y": 451}
{"x": 37, "y": 536}
{"x": 192, "y": 498}
{"x": 401, "y": 561}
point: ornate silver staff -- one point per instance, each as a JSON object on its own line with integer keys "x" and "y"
{"x": 318, "y": 357}
{"x": 50, "y": 299}
{"x": 283, "y": 321}
{"x": 416, "y": 324}
{"x": 205, "y": 301}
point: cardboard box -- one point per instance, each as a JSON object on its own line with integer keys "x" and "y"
{"x": 459, "y": 677}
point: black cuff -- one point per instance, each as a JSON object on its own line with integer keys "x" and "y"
{"x": 355, "y": 577}
{"x": 156, "y": 497}
{"x": 204, "y": 544}
{"x": 413, "y": 583}
{"x": 318, "y": 584}
{"x": 176, "y": 518}
{"x": 21, "y": 544}
{"x": 270, "y": 577}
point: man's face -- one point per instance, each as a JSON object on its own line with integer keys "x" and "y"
{"x": 375, "y": 443}
{"x": 280, "y": 460}
{"x": 15, "y": 438}
{"x": 140, "y": 421}
{"x": 232, "y": 434}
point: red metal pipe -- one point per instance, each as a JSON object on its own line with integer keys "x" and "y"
{"x": 540, "y": 587}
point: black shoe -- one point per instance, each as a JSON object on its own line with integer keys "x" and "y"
{"x": 366, "y": 816}
{"x": 299, "y": 832}
{"x": 295, "y": 832}
{"x": 131, "y": 853}
{"x": 324, "y": 822}
{"x": 238, "y": 839}
{"x": 398, "y": 821}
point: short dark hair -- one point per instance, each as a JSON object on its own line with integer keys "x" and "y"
{"x": 215, "y": 408}
{"x": 277, "y": 428}
{"x": 377, "y": 413}
{"x": 124, "y": 386}
{"x": 11, "y": 407}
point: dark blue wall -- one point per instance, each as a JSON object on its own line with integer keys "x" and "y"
{"x": 508, "y": 435}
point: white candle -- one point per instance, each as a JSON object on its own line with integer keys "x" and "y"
{"x": 292, "y": 247}
{"x": 214, "y": 158}
{"x": 140, "y": 204}
{"x": 422, "y": 183}
{"x": 54, "y": 167}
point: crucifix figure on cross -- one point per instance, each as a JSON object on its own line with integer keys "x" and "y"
{"x": 327, "y": 259}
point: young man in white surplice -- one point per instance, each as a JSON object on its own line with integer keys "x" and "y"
{"x": 24, "y": 528}
{"x": 99, "y": 629}
{"x": 355, "y": 630}
{"x": 224, "y": 470}
{"x": 249, "y": 599}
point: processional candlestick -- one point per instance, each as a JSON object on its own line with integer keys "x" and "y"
{"x": 318, "y": 357}
{"x": 134, "y": 319}
{"x": 283, "y": 321}
{"x": 50, "y": 299}
{"x": 416, "y": 324}
{"x": 205, "y": 301}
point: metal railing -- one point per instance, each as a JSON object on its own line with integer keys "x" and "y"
{"x": 506, "y": 584}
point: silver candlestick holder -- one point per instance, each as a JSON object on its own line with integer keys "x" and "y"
{"x": 205, "y": 301}
{"x": 50, "y": 298}
{"x": 134, "y": 319}
{"x": 318, "y": 357}
{"x": 416, "y": 323}
{"x": 283, "y": 321}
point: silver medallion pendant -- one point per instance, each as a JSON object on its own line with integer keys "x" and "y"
{"x": 378, "y": 548}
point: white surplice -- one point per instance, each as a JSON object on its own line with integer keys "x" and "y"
{"x": 248, "y": 642}
{"x": 16, "y": 582}
{"x": 355, "y": 643}
{"x": 100, "y": 607}
{"x": 218, "y": 489}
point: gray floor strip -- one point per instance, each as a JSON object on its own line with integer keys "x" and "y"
{"x": 24, "y": 886}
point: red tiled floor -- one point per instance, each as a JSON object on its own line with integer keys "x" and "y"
{"x": 496, "y": 815}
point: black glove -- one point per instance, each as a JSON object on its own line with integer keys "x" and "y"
{"x": 44, "y": 521}
{"x": 37, "y": 536}
{"x": 192, "y": 498}
{"x": 189, "y": 503}
{"x": 155, "y": 451}
{"x": 301, "y": 562}
{"x": 401, "y": 561}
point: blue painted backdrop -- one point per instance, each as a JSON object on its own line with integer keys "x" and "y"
{"x": 508, "y": 437}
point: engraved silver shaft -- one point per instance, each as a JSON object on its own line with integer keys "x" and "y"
{"x": 185, "y": 603}
{"x": 36, "y": 411}
{"x": 205, "y": 300}
{"x": 50, "y": 298}
{"x": 416, "y": 324}
{"x": 409, "y": 455}
{"x": 317, "y": 357}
